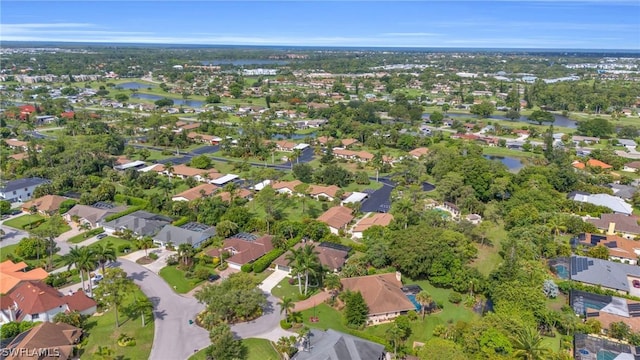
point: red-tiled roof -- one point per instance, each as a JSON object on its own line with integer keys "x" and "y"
{"x": 382, "y": 293}
{"x": 336, "y": 217}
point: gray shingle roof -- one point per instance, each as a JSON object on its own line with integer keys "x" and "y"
{"x": 334, "y": 345}
{"x": 142, "y": 223}
{"x": 178, "y": 235}
{"x": 602, "y": 272}
{"x": 22, "y": 183}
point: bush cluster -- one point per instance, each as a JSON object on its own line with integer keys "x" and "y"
{"x": 261, "y": 264}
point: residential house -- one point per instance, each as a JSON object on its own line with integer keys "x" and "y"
{"x": 190, "y": 233}
{"x": 16, "y": 144}
{"x": 128, "y": 164}
{"x": 380, "y": 219}
{"x": 200, "y": 191}
{"x": 591, "y": 163}
{"x": 324, "y": 140}
{"x": 627, "y": 143}
{"x": 588, "y": 346}
{"x": 354, "y": 197}
{"x": 623, "y": 191}
{"x": 238, "y": 194}
{"x": 361, "y": 156}
{"x": 337, "y": 217}
{"x": 19, "y": 157}
{"x": 12, "y": 274}
{"x": 606, "y": 274}
{"x": 632, "y": 166}
{"x": 383, "y": 295}
{"x": 92, "y": 215}
{"x": 37, "y": 301}
{"x": 328, "y": 193}
{"x": 203, "y": 138}
{"x": 46, "y": 205}
{"x": 284, "y": 145}
{"x": 58, "y": 339}
{"x": 331, "y": 256}
{"x": 475, "y": 219}
{"x": 141, "y": 223}
{"x": 616, "y": 204}
{"x": 334, "y": 345}
{"x": 243, "y": 250}
{"x": 348, "y": 142}
{"x": 286, "y": 187}
{"x": 21, "y": 189}
{"x": 623, "y": 225}
{"x": 419, "y": 152}
{"x": 183, "y": 171}
{"x": 621, "y": 249}
{"x": 606, "y": 309}
{"x": 577, "y": 139}
{"x": 452, "y": 209}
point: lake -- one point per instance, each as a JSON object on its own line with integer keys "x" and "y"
{"x": 560, "y": 120}
{"x": 514, "y": 164}
{"x": 134, "y": 85}
{"x": 244, "y": 62}
{"x": 176, "y": 102}
{"x": 293, "y": 137}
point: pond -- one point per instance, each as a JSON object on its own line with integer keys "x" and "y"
{"x": 514, "y": 164}
{"x": 176, "y": 102}
{"x": 243, "y": 62}
{"x": 134, "y": 85}
{"x": 560, "y": 120}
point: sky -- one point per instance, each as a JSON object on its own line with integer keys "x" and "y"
{"x": 552, "y": 24}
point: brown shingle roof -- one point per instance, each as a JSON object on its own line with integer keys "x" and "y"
{"x": 244, "y": 251}
{"x": 336, "y": 217}
{"x": 331, "y": 258}
{"x": 46, "y": 204}
{"x": 11, "y": 274}
{"x": 79, "y": 301}
{"x": 382, "y": 219}
{"x": 330, "y": 190}
{"x": 348, "y": 142}
{"x": 240, "y": 194}
{"x": 194, "y": 193}
{"x": 419, "y": 152}
{"x": 382, "y": 293}
{"x": 286, "y": 185}
{"x": 35, "y": 297}
{"x": 46, "y": 335}
{"x": 624, "y": 223}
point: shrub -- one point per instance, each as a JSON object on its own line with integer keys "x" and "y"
{"x": 285, "y": 324}
{"x": 412, "y": 315}
{"x": 247, "y": 268}
{"x": 183, "y": 220}
{"x": 126, "y": 340}
{"x": 261, "y": 264}
{"x": 455, "y": 298}
{"x": 201, "y": 274}
{"x": 172, "y": 260}
{"x": 189, "y": 274}
{"x": 124, "y": 248}
{"x": 153, "y": 256}
{"x": 224, "y": 266}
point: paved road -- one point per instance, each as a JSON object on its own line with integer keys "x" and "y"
{"x": 12, "y": 236}
{"x": 174, "y": 338}
{"x": 379, "y": 200}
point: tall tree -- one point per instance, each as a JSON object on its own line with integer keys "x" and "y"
{"x": 83, "y": 260}
{"x": 286, "y": 306}
{"x": 145, "y": 242}
{"x": 424, "y": 299}
{"x": 104, "y": 253}
{"x": 224, "y": 346}
{"x": 528, "y": 345}
{"x": 113, "y": 289}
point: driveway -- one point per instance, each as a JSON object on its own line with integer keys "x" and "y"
{"x": 174, "y": 338}
{"x": 379, "y": 200}
{"x": 265, "y": 327}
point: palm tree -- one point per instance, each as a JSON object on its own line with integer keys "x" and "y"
{"x": 104, "y": 253}
{"x": 528, "y": 345}
{"x": 293, "y": 260}
{"x": 142, "y": 306}
{"x": 82, "y": 258}
{"x": 308, "y": 264}
{"x": 168, "y": 167}
{"x": 395, "y": 334}
{"x": 286, "y": 307}
{"x": 424, "y": 299}
{"x": 186, "y": 253}
{"x": 145, "y": 243}
{"x": 332, "y": 283}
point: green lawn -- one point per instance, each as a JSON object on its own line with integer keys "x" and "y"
{"x": 284, "y": 289}
{"x": 102, "y": 332}
{"x": 6, "y": 250}
{"x": 421, "y": 330}
{"x": 116, "y": 243}
{"x": 259, "y": 349}
{"x": 21, "y": 221}
{"x": 488, "y": 257}
{"x": 85, "y": 235}
{"x": 500, "y": 151}
{"x": 43, "y": 262}
{"x": 176, "y": 278}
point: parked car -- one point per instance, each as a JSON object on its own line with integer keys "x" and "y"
{"x": 213, "y": 277}
{"x": 96, "y": 278}
{"x": 101, "y": 236}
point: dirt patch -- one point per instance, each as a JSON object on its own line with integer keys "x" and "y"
{"x": 144, "y": 260}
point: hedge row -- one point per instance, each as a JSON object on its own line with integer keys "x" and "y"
{"x": 261, "y": 264}
{"x": 130, "y": 200}
{"x": 247, "y": 267}
{"x": 183, "y": 220}
{"x": 123, "y": 213}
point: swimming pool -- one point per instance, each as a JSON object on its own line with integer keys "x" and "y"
{"x": 562, "y": 271}
{"x": 415, "y": 302}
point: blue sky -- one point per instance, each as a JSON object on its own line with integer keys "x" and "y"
{"x": 589, "y": 24}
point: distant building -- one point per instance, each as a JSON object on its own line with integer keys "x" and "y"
{"x": 20, "y": 189}
{"x": 334, "y": 345}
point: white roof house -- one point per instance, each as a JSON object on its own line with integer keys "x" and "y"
{"x": 617, "y": 204}
{"x": 355, "y": 197}
{"x": 301, "y": 146}
{"x": 129, "y": 165}
{"x": 223, "y": 180}
{"x": 261, "y": 185}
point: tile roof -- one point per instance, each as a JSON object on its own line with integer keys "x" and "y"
{"x": 240, "y": 194}
{"x": 617, "y": 245}
{"x": 79, "y": 301}
{"x": 382, "y": 219}
{"x": 331, "y": 190}
{"x": 419, "y": 152}
{"x": 382, "y": 293}
{"x": 35, "y": 297}
{"x": 244, "y": 251}
{"x": 286, "y": 185}
{"x": 336, "y": 217}
{"x": 92, "y": 213}
{"x": 11, "y": 274}
{"x": 194, "y": 193}
{"x": 348, "y": 142}
{"x": 331, "y": 258}
{"x": 46, "y": 335}
{"x": 47, "y": 203}
{"x": 16, "y": 143}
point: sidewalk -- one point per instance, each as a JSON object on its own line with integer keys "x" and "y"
{"x": 272, "y": 280}
{"x": 314, "y": 300}
{"x": 155, "y": 266}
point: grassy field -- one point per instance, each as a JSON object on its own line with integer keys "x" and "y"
{"x": 259, "y": 349}
{"x": 488, "y": 258}
{"x": 21, "y": 221}
{"x": 176, "y": 278}
{"x": 284, "y": 289}
{"x": 85, "y": 235}
{"x": 6, "y": 250}
{"x": 500, "y": 151}
{"x": 116, "y": 243}
{"x": 102, "y": 332}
